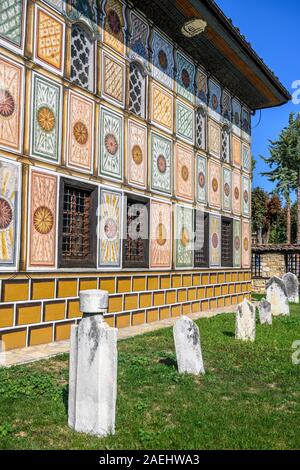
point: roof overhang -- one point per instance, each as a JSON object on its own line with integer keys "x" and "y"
{"x": 221, "y": 49}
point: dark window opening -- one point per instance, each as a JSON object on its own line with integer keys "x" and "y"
{"x": 256, "y": 265}
{"x": 227, "y": 242}
{"x": 136, "y": 233}
{"x": 201, "y": 249}
{"x": 292, "y": 263}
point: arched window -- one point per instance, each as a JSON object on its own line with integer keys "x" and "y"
{"x": 137, "y": 90}
{"x": 201, "y": 128}
{"x": 82, "y": 58}
{"x": 225, "y": 155}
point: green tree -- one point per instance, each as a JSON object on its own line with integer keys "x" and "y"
{"x": 260, "y": 199}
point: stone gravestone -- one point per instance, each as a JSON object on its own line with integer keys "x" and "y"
{"x": 245, "y": 322}
{"x": 292, "y": 286}
{"x": 188, "y": 348}
{"x": 93, "y": 369}
{"x": 265, "y": 312}
{"x": 277, "y": 296}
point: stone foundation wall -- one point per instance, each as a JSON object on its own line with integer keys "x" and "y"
{"x": 272, "y": 264}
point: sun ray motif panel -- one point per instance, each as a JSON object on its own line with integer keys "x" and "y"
{"x": 215, "y": 240}
{"x": 227, "y": 195}
{"x": 214, "y": 138}
{"x": 184, "y": 237}
{"x": 114, "y": 25}
{"x": 10, "y": 182}
{"x": 162, "y": 107}
{"x": 12, "y": 24}
{"x": 246, "y": 157}
{"x": 161, "y": 164}
{"x": 80, "y": 132}
{"x": 236, "y": 193}
{"x": 246, "y": 196}
{"x": 137, "y": 154}
{"x": 49, "y": 41}
{"x": 161, "y": 235}
{"x": 185, "y": 122}
{"x": 201, "y": 179}
{"x": 111, "y": 144}
{"x": 113, "y": 79}
{"x": 201, "y": 87}
{"x": 237, "y": 244}
{"x": 138, "y": 47}
{"x": 236, "y": 150}
{"x": 42, "y": 220}
{"x": 184, "y": 174}
{"x": 215, "y": 93}
{"x": 11, "y": 106}
{"x": 185, "y": 80}
{"x": 246, "y": 247}
{"x": 163, "y": 60}
{"x": 46, "y": 110}
{"x": 214, "y": 171}
{"x": 110, "y": 235}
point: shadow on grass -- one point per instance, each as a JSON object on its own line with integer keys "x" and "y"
{"x": 230, "y": 334}
{"x": 169, "y": 362}
{"x": 65, "y": 397}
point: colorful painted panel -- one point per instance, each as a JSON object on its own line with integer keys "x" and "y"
{"x": 59, "y": 5}
{"x": 111, "y": 144}
{"x": 237, "y": 255}
{"x": 246, "y": 157}
{"x": 227, "y": 195}
{"x": 11, "y": 105}
{"x": 184, "y": 237}
{"x": 200, "y": 135}
{"x": 137, "y": 154}
{"x": 246, "y": 121}
{"x": 215, "y": 93}
{"x": 113, "y": 79}
{"x": 138, "y": 44}
{"x": 236, "y": 193}
{"x": 236, "y": 113}
{"x": 162, "y": 107}
{"x": 137, "y": 90}
{"x": 110, "y": 229}
{"x": 42, "y": 220}
{"x": 214, "y": 138}
{"x": 201, "y": 179}
{"x": 161, "y": 235}
{"x": 236, "y": 150}
{"x": 49, "y": 40}
{"x": 163, "y": 60}
{"x": 201, "y": 87}
{"x": 161, "y": 164}
{"x": 185, "y": 122}
{"x": 184, "y": 174}
{"x": 246, "y": 196}
{"x": 246, "y": 261}
{"x": 185, "y": 77}
{"x": 46, "y": 111}
{"x": 214, "y": 170}
{"x": 114, "y": 26}
{"x": 9, "y": 212}
{"x": 12, "y": 23}
{"x": 80, "y": 132}
{"x": 226, "y": 105}
{"x": 215, "y": 240}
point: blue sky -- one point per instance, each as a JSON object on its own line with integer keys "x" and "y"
{"x": 272, "y": 27}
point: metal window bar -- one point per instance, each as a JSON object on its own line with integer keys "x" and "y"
{"x": 256, "y": 265}
{"x": 292, "y": 263}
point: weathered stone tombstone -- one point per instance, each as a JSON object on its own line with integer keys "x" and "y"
{"x": 277, "y": 296}
{"x": 93, "y": 368}
{"x": 245, "y": 321}
{"x": 188, "y": 347}
{"x": 265, "y": 312}
{"x": 292, "y": 287}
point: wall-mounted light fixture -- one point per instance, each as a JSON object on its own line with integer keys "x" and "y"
{"x": 193, "y": 27}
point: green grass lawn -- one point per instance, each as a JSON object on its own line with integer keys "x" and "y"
{"x": 249, "y": 397}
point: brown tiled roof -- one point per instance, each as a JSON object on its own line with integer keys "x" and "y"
{"x": 274, "y": 248}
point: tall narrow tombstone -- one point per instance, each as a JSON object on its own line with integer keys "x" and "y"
{"x": 292, "y": 287}
{"x": 265, "y": 312}
{"x": 245, "y": 321}
{"x": 188, "y": 348}
{"x": 93, "y": 369}
{"x": 277, "y": 296}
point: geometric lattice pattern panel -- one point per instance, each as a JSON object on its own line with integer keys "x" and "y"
{"x": 110, "y": 228}
{"x": 201, "y": 87}
{"x": 183, "y": 236}
{"x": 246, "y": 157}
{"x": 236, "y": 150}
{"x": 185, "y": 122}
{"x": 138, "y": 44}
{"x": 246, "y": 196}
{"x": 111, "y": 144}
{"x": 137, "y": 154}
{"x": 137, "y": 90}
{"x": 214, "y": 138}
{"x": 162, "y": 108}
{"x": 161, "y": 235}
{"x": 42, "y": 220}
{"x": 113, "y": 88}
{"x": 82, "y": 58}
{"x": 9, "y": 212}
{"x": 12, "y": 22}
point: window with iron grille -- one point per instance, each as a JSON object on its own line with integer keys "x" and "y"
{"x": 227, "y": 242}
{"x": 225, "y": 155}
{"x": 256, "y": 265}
{"x": 137, "y": 90}
{"x": 201, "y": 128}
{"x": 292, "y": 263}
{"x": 77, "y": 230}
{"x": 136, "y": 233}
{"x": 82, "y": 57}
{"x": 201, "y": 247}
